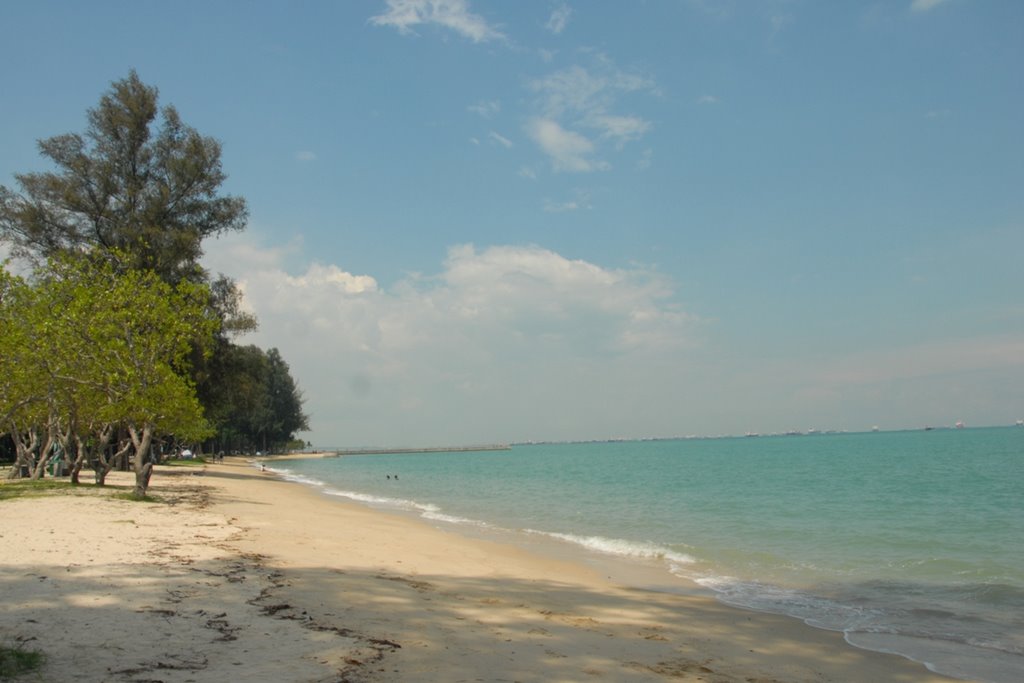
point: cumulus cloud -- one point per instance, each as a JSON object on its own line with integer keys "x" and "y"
{"x": 305, "y": 155}
{"x": 493, "y": 327}
{"x": 707, "y": 99}
{"x": 455, "y": 15}
{"x": 559, "y": 19}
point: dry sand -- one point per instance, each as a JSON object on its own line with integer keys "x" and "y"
{"x": 238, "y": 575}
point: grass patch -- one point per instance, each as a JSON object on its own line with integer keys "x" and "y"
{"x": 38, "y": 488}
{"x": 28, "y": 488}
{"x": 15, "y": 661}
{"x": 192, "y": 462}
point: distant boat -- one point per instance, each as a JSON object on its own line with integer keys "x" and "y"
{"x": 1020, "y": 423}
{"x": 959, "y": 424}
{"x": 875, "y": 428}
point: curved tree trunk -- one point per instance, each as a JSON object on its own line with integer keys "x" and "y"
{"x": 141, "y": 442}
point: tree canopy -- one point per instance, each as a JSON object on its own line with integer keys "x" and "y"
{"x": 138, "y": 183}
{"x": 92, "y": 355}
{"x": 121, "y": 333}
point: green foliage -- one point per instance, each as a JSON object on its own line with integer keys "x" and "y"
{"x": 138, "y": 182}
{"x": 122, "y": 325}
{"x": 178, "y": 462}
{"x": 16, "y": 661}
{"x": 90, "y": 350}
{"x": 259, "y": 406}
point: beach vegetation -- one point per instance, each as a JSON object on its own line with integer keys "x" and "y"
{"x": 261, "y": 408}
{"x": 94, "y": 360}
{"x": 181, "y": 462}
{"x": 138, "y": 184}
{"x": 18, "y": 661}
{"x": 27, "y": 488}
{"x": 109, "y": 377}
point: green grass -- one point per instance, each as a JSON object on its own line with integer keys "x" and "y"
{"x": 28, "y": 488}
{"x": 37, "y": 488}
{"x": 194, "y": 462}
{"x": 15, "y": 662}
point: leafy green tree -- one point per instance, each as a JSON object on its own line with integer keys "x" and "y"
{"x": 105, "y": 354}
{"x": 281, "y": 414}
{"x": 139, "y": 187}
{"x": 261, "y": 407}
{"x": 141, "y": 190}
{"x": 138, "y": 184}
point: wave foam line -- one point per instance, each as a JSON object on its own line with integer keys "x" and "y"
{"x": 620, "y": 547}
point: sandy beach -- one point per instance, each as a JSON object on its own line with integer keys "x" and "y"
{"x": 238, "y": 575}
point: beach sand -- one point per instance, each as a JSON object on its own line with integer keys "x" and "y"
{"x": 238, "y": 575}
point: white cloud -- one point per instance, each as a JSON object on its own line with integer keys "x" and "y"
{"x": 305, "y": 155}
{"x": 332, "y": 278}
{"x": 451, "y": 14}
{"x": 485, "y": 108}
{"x": 707, "y": 99}
{"x": 449, "y": 358}
{"x": 559, "y": 19}
{"x": 925, "y": 5}
{"x": 500, "y": 139}
{"x": 567, "y": 150}
{"x": 622, "y": 129}
{"x": 578, "y": 99}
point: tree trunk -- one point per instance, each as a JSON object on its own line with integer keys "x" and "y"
{"x": 141, "y": 442}
{"x": 105, "y": 464}
{"x": 26, "y": 461}
{"x": 44, "y": 453}
{"x": 81, "y": 456}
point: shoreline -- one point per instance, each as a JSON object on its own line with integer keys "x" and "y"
{"x": 356, "y": 594}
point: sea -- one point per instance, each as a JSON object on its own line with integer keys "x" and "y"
{"x": 910, "y": 542}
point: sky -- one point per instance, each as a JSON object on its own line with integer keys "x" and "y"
{"x": 485, "y": 222}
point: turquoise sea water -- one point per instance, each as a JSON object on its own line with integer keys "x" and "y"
{"x": 909, "y": 542}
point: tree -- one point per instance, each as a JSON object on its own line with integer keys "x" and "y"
{"x": 141, "y": 190}
{"x": 139, "y": 184}
{"x": 281, "y": 415}
{"x": 261, "y": 407}
{"x": 105, "y": 354}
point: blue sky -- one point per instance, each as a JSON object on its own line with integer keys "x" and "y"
{"x": 480, "y": 221}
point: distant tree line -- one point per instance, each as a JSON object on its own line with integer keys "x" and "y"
{"x": 119, "y": 345}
